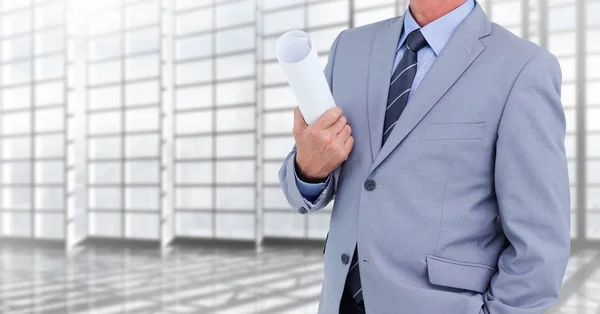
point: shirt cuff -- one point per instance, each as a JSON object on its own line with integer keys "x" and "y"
{"x": 310, "y": 191}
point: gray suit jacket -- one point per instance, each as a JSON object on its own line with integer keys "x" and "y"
{"x": 470, "y": 211}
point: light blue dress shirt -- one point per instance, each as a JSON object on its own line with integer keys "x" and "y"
{"x": 437, "y": 34}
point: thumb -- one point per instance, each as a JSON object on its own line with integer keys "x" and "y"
{"x": 299, "y": 122}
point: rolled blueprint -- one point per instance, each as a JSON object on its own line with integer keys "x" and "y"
{"x": 304, "y": 72}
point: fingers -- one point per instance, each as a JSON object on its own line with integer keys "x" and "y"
{"x": 299, "y": 123}
{"x": 328, "y": 118}
{"x": 345, "y": 133}
{"x": 339, "y": 125}
{"x": 349, "y": 144}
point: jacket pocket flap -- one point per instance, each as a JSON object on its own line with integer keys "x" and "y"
{"x": 461, "y": 275}
{"x": 454, "y": 131}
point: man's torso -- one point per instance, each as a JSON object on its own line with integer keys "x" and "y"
{"x": 429, "y": 226}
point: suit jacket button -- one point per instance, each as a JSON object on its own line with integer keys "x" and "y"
{"x": 345, "y": 258}
{"x": 370, "y": 185}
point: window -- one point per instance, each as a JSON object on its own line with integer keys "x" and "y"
{"x": 206, "y": 127}
{"x": 215, "y": 115}
{"x": 124, "y": 121}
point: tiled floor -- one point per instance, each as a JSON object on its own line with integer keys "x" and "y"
{"x": 202, "y": 280}
{"x": 580, "y": 293}
{"x": 110, "y": 280}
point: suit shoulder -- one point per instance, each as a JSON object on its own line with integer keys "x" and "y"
{"x": 524, "y": 59}
{"x": 362, "y": 37}
{"x": 504, "y": 42}
{"x": 369, "y": 29}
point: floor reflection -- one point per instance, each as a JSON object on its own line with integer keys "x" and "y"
{"x": 105, "y": 280}
{"x": 189, "y": 280}
{"x": 580, "y": 293}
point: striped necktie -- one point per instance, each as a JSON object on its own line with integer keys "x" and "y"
{"x": 402, "y": 80}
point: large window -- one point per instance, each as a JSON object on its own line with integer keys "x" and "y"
{"x": 215, "y": 119}
{"x": 124, "y": 120}
{"x": 591, "y": 96}
{"x": 33, "y": 110}
{"x": 368, "y": 11}
{"x": 184, "y": 112}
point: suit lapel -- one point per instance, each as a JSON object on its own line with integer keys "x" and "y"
{"x": 460, "y": 51}
{"x": 380, "y": 73}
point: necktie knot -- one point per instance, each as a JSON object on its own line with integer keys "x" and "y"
{"x": 415, "y": 41}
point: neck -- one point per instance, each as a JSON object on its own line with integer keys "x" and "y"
{"x": 427, "y": 11}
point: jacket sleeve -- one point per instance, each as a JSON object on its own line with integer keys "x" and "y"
{"x": 287, "y": 173}
{"x": 532, "y": 189}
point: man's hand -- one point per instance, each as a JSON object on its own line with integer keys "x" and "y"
{"x": 322, "y": 146}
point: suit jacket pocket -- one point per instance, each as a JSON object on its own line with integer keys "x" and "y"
{"x": 454, "y": 131}
{"x": 461, "y": 275}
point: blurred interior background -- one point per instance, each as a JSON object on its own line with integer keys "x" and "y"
{"x": 140, "y": 142}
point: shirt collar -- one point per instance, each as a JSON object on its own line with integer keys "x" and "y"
{"x": 438, "y": 32}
